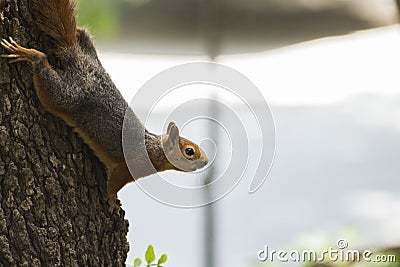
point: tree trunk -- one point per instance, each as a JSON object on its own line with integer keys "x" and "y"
{"x": 53, "y": 200}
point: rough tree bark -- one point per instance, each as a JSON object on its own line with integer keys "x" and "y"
{"x": 53, "y": 204}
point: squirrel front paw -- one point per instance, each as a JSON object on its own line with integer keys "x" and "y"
{"x": 112, "y": 201}
{"x": 20, "y": 53}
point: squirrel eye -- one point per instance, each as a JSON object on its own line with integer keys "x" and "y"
{"x": 189, "y": 151}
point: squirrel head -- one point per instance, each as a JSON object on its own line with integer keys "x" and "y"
{"x": 181, "y": 153}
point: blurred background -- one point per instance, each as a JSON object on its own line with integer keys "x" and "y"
{"x": 328, "y": 69}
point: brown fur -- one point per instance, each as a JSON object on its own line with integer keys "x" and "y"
{"x": 61, "y": 15}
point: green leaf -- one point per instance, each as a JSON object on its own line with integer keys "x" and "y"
{"x": 150, "y": 256}
{"x": 137, "y": 262}
{"x": 163, "y": 259}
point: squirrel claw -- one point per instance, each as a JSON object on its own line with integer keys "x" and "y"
{"x": 114, "y": 208}
{"x": 10, "y": 45}
{"x": 14, "y": 58}
{"x": 19, "y": 53}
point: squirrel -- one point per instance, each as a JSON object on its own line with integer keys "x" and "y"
{"x": 72, "y": 84}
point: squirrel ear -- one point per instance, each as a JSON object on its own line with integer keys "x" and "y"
{"x": 170, "y": 125}
{"x": 173, "y": 133}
